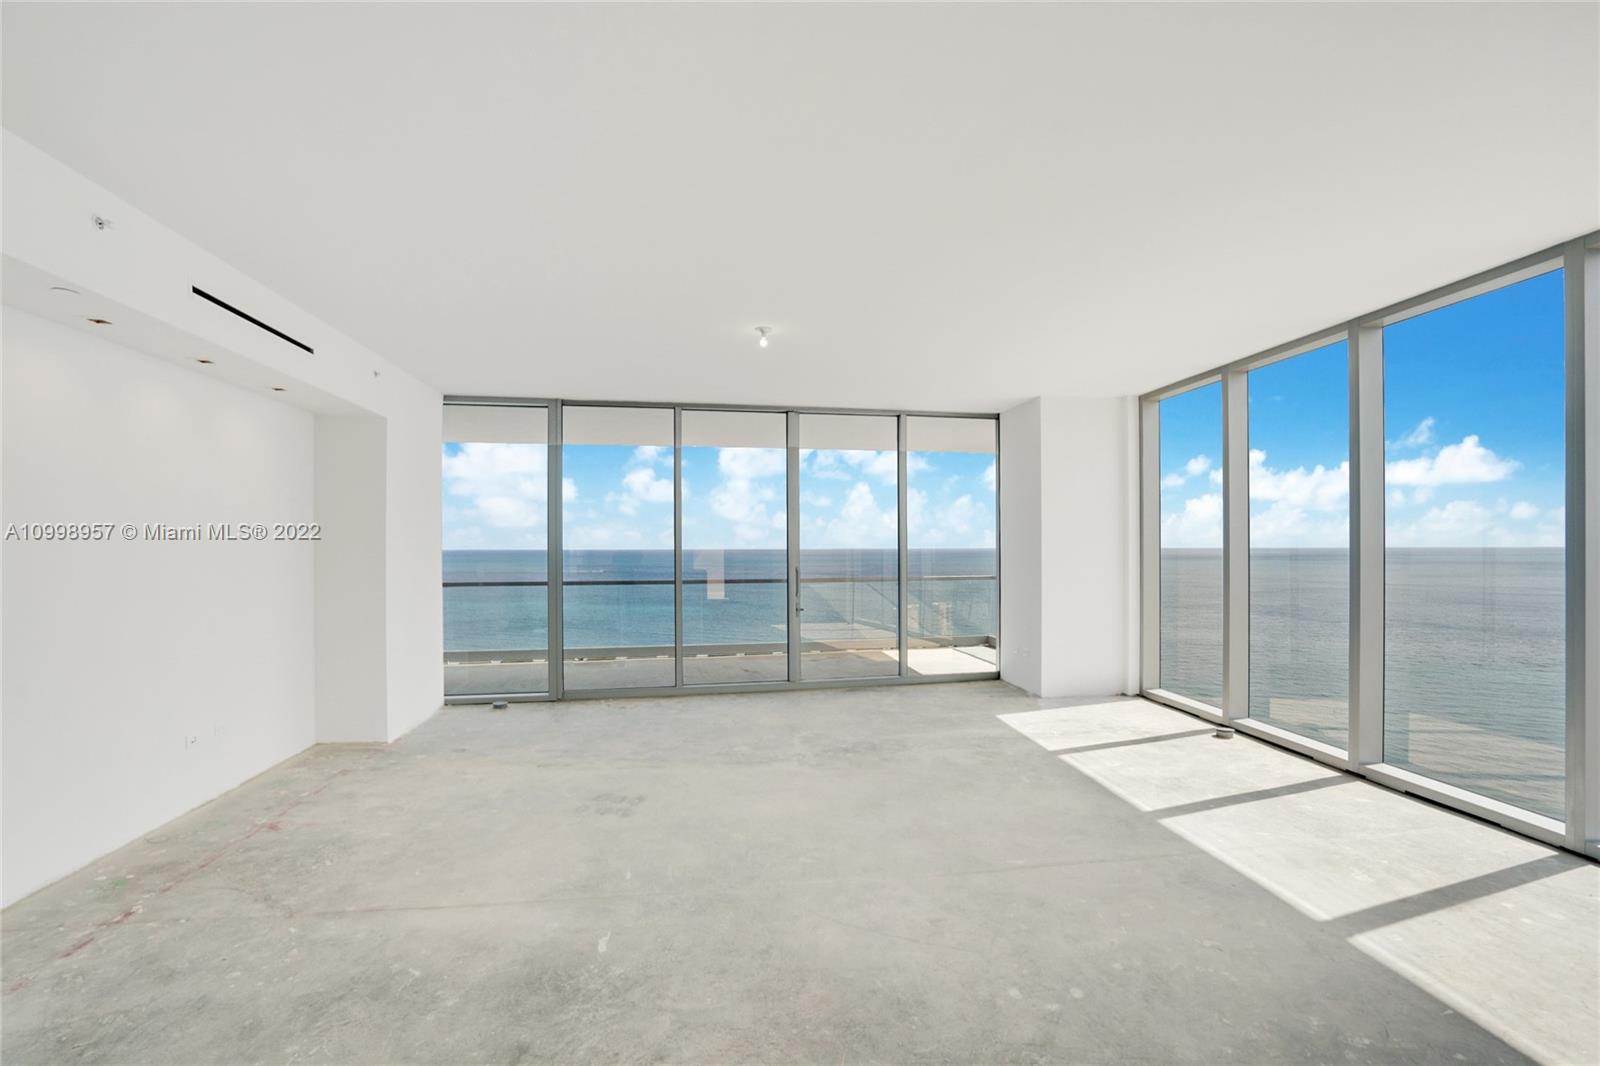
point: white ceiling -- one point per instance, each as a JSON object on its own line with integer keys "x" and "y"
{"x": 937, "y": 207}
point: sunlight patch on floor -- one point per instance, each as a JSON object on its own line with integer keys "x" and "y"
{"x": 1543, "y": 997}
{"x": 1194, "y": 769}
{"x": 1351, "y": 846}
{"x": 1498, "y": 927}
{"x": 1098, "y": 722}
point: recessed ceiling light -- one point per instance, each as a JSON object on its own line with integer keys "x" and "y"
{"x": 65, "y": 291}
{"x": 205, "y": 362}
{"x": 762, "y": 331}
{"x": 100, "y": 321}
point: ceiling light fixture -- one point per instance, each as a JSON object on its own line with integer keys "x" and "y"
{"x": 100, "y": 321}
{"x": 762, "y": 332}
{"x": 205, "y": 362}
{"x": 277, "y": 388}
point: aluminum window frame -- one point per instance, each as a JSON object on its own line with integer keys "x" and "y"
{"x": 1579, "y": 831}
{"x": 556, "y": 652}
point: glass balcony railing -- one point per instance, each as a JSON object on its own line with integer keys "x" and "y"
{"x": 503, "y": 623}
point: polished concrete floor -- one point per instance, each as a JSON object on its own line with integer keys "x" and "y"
{"x": 948, "y": 873}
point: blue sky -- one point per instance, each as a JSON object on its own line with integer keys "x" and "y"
{"x": 1474, "y": 435}
{"x": 621, "y": 497}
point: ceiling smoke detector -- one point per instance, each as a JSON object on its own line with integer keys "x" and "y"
{"x": 762, "y": 331}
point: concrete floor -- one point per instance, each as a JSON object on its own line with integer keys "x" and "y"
{"x": 950, "y": 873}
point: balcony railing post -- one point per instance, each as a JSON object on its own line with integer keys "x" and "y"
{"x": 677, "y": 547}
{"x": 902, "y": 553}
{"x": 554, "y": 568}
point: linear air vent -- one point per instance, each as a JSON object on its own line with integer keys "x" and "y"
{"x": 252, "y": 319}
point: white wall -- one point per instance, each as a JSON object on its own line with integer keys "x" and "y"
{"x": 413, "y": 528}
{"x": 117, "y": 652}
{"x": 1067, "y": 544}
{"x": 351, "y": 631}
{"x": 1021, "y": 564}
{"x": 140, "y": 272}
{"x": 93, "y": 694}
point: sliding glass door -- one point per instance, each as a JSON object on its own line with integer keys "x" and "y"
{"x": 496, "y": 580}
{"x": 592, "y": 548}
{"x": 953, "y": 593}
{"x": 735, "y": 547}
{"x": 619, "y": 617}
{"x": 849, "y": 565}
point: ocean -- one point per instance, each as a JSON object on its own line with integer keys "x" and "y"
{"x": 619, "y": 599}
{"x": 1474, "y": 657}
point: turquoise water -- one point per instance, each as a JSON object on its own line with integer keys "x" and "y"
{"x": 729, "y": 597}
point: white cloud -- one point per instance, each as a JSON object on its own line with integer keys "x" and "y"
{"x": 1524, "y": 511}
{"x": 641, "y": 485}
{"x": 1458, "y": 523}
{"x": 860, "y": 523}
{"x": 1421, "y": 434}
{"x": 989, "y": 475}
{"x": 753, "y": 509}
{"x": 958, "y": 523}
{"x": 1305, "y": 508}
{"x": 647, "y": 454}
{"x": 1193, "y": 468}
{"x": 1198, "y": 525}
{"x": 1317, "y": 489}
{"x": 1466, "y": 463}
{"x": 746, "y": 464}
{"x": 1469, "y": 524}
{"x": 496, "y": 495}
{"x": 849, "y": 463}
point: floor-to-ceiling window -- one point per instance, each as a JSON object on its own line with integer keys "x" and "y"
{"x": 1191, "y": 544}
{"x": 1299, "y": 472}
{"x": 619, "y": 618}
{"x": 1474, "y": 633}
{"x": 953, "y": 593}
{"x": 849, "y": 574}
{"x": 712, "y": 545}
{"x": 496, "y": 580}
{"x": 735, "y": 546}
{"x": 1401, "y": 507}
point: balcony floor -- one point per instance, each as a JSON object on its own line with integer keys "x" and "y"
{"x": 949, "y": 872}
{"x": 611, "y": 673}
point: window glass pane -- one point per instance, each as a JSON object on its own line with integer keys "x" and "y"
{"x": 952, "y": 619}
{"x": 1300, "y": 544}
{"x": 618, "y": 617}
{"x": 1474, "y": 628}
{"x": 496, "y": 593}
{"x": 849, "y": 546}
{"x": 735, "y": 547}
{"x": 1191, "y": 543}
